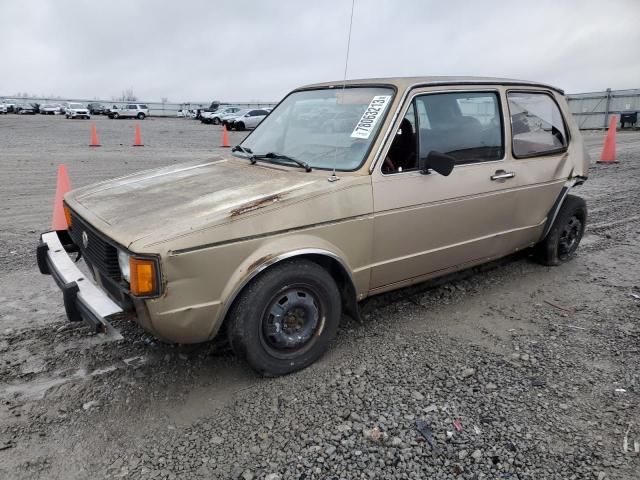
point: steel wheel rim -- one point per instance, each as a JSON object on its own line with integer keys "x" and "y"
{"x": 292, "y": 321}
{"x": 570, "y": 237}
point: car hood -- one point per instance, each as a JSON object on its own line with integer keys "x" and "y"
{"x": 218, "y": 200}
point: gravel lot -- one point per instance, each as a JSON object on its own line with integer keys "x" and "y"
{"x": 513, "y": 371}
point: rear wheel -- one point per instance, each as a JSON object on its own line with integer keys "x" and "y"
{"x": 562, "y": 241}
{"x": 115, "y": 116}
{"x": 285, "y": 319}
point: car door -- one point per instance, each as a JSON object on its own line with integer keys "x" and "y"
{"x": 256, "y": 117}
{"x": 429, "y": 224}
{"x": 539, "y": 149}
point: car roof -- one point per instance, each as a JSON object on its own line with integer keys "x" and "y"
{"x": 403, "y": 83}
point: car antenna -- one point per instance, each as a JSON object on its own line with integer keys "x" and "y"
{"x": 334, "y": 177}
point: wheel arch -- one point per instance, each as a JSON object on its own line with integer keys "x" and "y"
{"x": 557, "y": 205}
{"x": 333, "y": 263}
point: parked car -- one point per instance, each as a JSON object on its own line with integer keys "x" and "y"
{"x": 251, "y": 119}
{"x": 181, "y": 113}
{"x": 215, "y": 117}
{"x": 77, "y": 110}
{"x": 10, "y": 105}
{"x": 63, "y": 107}
{"x": 393, "y": 182}
{"x": 3, "y": 108}
{"x": 25, "y": 109}
{"x": 50, "y": 109}
{"x": 130, "y": 110}
{"x": 229, "y": 118}
{"x": 97, "y": 109}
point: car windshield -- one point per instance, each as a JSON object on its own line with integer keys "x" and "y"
{"x": 326, "y": 128}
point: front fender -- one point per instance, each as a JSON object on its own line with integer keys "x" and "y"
{"x": 277, "y": 250}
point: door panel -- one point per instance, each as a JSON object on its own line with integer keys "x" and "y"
{"x": 426, "y": 223}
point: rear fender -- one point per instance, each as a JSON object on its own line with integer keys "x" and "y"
{"x": 553, "y": 213}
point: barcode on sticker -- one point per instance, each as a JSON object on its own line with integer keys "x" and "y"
{"x": 370, "y": 117}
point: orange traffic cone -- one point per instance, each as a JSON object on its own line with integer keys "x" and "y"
{"x": 138, "y": 138}
{"x": 63, "y": 186}
{"x": 609, "y": 150}
{"x": 94, "y": 137}
{"x": 225, "y": 137}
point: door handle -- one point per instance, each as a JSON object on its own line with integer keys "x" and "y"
{"x": 502, "y": 175}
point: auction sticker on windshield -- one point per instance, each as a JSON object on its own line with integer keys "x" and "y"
{"x": 370, "y": 117}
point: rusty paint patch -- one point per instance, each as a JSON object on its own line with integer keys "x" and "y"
{"x": 255, "y": 205}
{"x": 259, "y": 262}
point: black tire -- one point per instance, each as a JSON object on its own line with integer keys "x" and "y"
{"x": 115, "y": 116}
{"x": 239, "y": 126}
{"x": 216, "y": 121}
{"x": 562, "y": 241}
{"x": 141, "y": 116}
{"x": 298, "y": 291}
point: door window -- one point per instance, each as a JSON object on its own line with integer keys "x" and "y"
{"x": 402, "y": 155}
{"x": 464, "y": 125}
{"x": 537, "y": 126}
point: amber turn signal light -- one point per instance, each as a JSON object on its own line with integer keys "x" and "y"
{"x": 67, "y": 215}
{"x": 143, "y": 276}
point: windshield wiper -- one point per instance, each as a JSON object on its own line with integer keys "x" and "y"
{"x": 245, "y": 150}
{"x": 279, "y": 156}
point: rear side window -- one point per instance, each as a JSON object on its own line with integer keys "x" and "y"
{"x": 464, "y": 125}
{"x": 537, "y": 126}
{"x": 143, "y": 106}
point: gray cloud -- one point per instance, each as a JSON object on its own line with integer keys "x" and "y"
{"x": 259, "y": 50}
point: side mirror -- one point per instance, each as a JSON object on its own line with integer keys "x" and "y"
{"x": 440, "y": 162}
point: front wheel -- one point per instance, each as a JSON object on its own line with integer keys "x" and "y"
{"x": 216, "y": 121}
{"x": 239, "y": 126}
{"x": 285, "y": 319}
{"x": 562, "y": 241}
{"x": 115, "y": 116}
{"x": 141, "y": 116}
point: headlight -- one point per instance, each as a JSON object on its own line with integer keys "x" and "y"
{"x": 125, "y": 269}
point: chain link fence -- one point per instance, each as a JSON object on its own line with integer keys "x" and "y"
{"x": 593, "y": 110}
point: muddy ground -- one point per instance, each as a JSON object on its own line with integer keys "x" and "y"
{"x": 539, "y": 365}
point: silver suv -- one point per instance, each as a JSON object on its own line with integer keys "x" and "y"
{"x": 130, "y": 110}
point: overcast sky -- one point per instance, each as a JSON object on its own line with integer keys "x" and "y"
{"x": 258, "y": 50}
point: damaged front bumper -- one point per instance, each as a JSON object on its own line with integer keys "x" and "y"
{"x": 83, "y": 300}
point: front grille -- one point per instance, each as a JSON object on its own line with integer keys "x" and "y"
{"x": 100, "y": 254}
